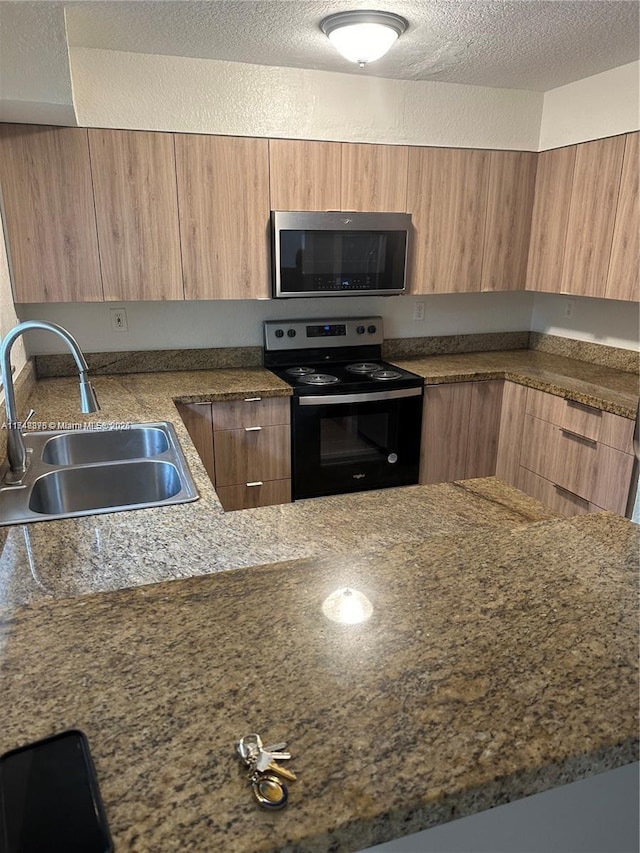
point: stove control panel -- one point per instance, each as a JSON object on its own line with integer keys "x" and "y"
{"x": 316, "y": 333}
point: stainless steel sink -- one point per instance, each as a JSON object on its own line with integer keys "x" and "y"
{"x": 120, "y": 485}
{"x": 80, "y": 448}
{"x": 85, "y": 472}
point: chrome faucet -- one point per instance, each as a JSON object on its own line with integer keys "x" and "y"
{"x": 16, "y": 451}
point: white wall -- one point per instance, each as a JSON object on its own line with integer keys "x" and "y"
{"x": 603, "y": 105}
{"x": 600, "y": 321}
{"x": 143, "y": 91}
{"x": 186, "y": 325}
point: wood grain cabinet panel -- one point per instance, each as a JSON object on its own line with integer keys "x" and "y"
{"x": 305, "y": 175}
{"x": 593, "y": 471}
{"x": 623, "y": 280}
{"x": 447, "y": 197}
{"x": 445, "y": 432}
{"x": 50, "y": 219}
{"x": 594, "y": 197}
{"x": 484, "y": 428}
{"x": 197, "y": 419}
{"x": 552, "y": 199}
{"x": 512, "y": 176}
{"x": 251, "y": 454}
{"x": 252, "y": 411}
{"x": 374, "y": 177}
{"x": 134, "y": 183}
{"x": 555, "y": 497}
{"x": 514, "y": 401}
{"x": 251, "y": 495}
{"x": 223, "y": 206}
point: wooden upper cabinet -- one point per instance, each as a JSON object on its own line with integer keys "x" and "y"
{"x": 447, "y": 197}
{"x": 374, "y": 177}
{"x": 594, "y": 196}
{"x": 134, "y": 183}
{"x": 554, "y": 180}
{"x": 512, "y": 176}
{"x": 223, "y": 205}
{"x": 49, "y": 214}
{"x": 624, "y": 268}
{"x": 305, "y": 175}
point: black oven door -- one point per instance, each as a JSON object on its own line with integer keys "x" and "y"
{"x": 353, "y": 442}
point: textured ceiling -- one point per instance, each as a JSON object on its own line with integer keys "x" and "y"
{"x": 528, "y": 44}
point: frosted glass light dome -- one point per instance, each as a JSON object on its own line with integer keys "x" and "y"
{"x": 363, "y": 36}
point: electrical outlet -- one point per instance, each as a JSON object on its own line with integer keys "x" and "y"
{"x": 569, "y": 308}
{"x": 118, "y": 320}
{"x": 418, "y": 310}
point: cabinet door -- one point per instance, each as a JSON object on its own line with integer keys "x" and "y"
{"x": 484, "y": 428}
{"x": 512, "y": 177}
{"x": 514, "y": 402}
{"x": 197, "y": 419}
{"x": 304, "y": 175}
{"x": 552, "y": 198}
{"x": 596, "y": 182}
{"x": 247, "y": 455}
{"x": 374, "y": 177}
{"x": 447, "y": 197}
{"x": 134, "y": 184}
{"x": 223, "y": 206}
{"x": 49, "y": 214}
{"x": 623, "y": 281}
{"x": 445, "y": 432}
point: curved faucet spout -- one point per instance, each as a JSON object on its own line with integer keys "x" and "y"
{"x": 16, "y": 452}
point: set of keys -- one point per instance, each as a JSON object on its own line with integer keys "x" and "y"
{"x": 266, "y": 774}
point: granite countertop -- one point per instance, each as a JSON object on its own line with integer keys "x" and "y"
{"x": 495, "y": 664}
{"x": 502, "y": 644}
{"x": 611, "y": 390}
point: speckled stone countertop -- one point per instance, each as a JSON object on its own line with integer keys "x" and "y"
{"x": 611, "y": 390}
{"x": 498, "y": 661}
{"x": 495, "y": 664}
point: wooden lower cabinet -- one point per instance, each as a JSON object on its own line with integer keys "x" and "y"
{"x": 514, "y": 401}
{"x": 245, "y": 446}
{"x": 460, "y": 428}
{"x": 251, "y": 495}
{"x": 554, "y": 496}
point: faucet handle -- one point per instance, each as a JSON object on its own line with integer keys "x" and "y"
{"x": 29, "y": 416}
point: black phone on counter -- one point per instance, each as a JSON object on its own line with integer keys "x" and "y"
{"x": 49, "y": 798}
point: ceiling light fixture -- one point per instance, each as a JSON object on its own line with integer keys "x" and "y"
{"x": 362, "y": 36}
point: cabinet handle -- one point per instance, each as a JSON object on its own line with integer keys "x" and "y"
{"x": 574, "y": 404}
{"x": 252, "y": 429}
{"x": 257, "y": 483}
{"x": 252, "y": 399}
{"x": 575, "y": 435}
{"x": 573, "y": 494}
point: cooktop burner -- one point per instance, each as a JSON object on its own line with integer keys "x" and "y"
{"x": 319, "y": 379}
{"x": 363, "y": 367}
{"x": 299, "y": 371}
{"x": 385, "y": 375}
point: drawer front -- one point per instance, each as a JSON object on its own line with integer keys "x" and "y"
{"x": 596, "y": 472}
{"x": 251, "y": 454}
{"x": 587, "y": 421}
{"x": 553, "y": 496}
{"x": 256, "y": 494}
{"x": 252, "y": 411}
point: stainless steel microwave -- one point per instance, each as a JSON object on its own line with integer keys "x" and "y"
{"x": 339, "y": 254}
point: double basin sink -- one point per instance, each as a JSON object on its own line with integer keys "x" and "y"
{"x": 91, "y": 471}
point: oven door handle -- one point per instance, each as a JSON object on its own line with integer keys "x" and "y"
{"x": 363, "y": 397}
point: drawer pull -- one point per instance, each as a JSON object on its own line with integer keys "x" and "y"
{"x": 568, "y": 434}
{"x": 257, "y": 483}
{"x": 574, "y": 404}
{"x": 252, "y": 399}
{"x": 252, "y": 429}
{"x": 571, "y": 494}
